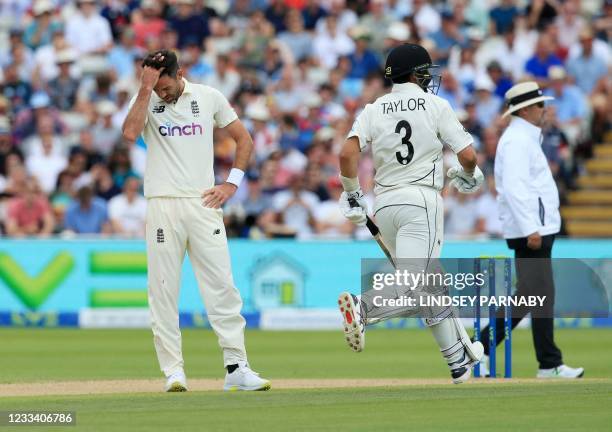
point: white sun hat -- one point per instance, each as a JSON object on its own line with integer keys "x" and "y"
{"x": 522, "y": 95}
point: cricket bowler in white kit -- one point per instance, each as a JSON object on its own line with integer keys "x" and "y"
{"x": 406, "y": 130}
{"x": 176, "y": 119}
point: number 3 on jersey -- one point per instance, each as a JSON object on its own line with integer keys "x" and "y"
{"x": 403, "y": 124}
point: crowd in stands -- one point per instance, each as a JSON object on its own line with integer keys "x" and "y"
{"x": 297, "y": 72}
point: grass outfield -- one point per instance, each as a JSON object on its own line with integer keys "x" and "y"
{"x": 59, "y": 355}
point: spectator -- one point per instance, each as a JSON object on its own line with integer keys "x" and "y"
{"x": 502, "y": 16}
{"x": 331, "y": 43}
{"x": 294, "y": 207}
{"x": 106, "y": 135}
{"x": 460, "y": 215}
{"x": 471, "y": 123}
{"x": 127, "y": 211}
{"x": 426, "y": 17}
{"x": 86, "y": 147}
{"x": 569, "y": 23}
{"x": 507, "y": 50}
{"x": 569, "y": 102}
{"x": 87, "y": 31}
{"x": 104, "y": 186}
{"x": 312, "y": 13}
{"x": 224, "y": 78}
{"x": 61, "y": 198}
{"x": 314, "y": 181}
{"x": 118, "y": 14}
{"x": 363, "y": 60}
{"x": 264, "y": 138}
{"x": 542, "y": 59}
{"x": 276, "y": 13}
{"x": 488, "y": 104}
{"x": 345, "y": 16}
{"x": 296, "y": 38}
{"x": 42, "y": 28}
{"x": 16, "y": 176}
{"x": 63, "y": 89}
{"x": 17, "y": 91}
{"x": 45, "y": 58}
{"x": 120, "y": 165}
{"x": 448, "y": 36}
{"x": 27, "y": 120}
{"x": 195, "y": 66}
{"x": 377, "y": 17}
{"x": 29, "y": 214}
{"x": 329, "y": 221}
{"x": 147, "y": 24}
{"x": 462, "y": 65}
{"x": 6, "y": 148}
{"x": 189, "y": 24}
{"x": 287, "y": 97}
{"x": 122, "y": 54}
{"x": 586, "y": 68}
{"x": 46, "y": 160}
{"x": 452, "y": 91}
{"x": 87, "y": 214}
{"x": 487, "y": 213}
{"x": 502, "y": 81}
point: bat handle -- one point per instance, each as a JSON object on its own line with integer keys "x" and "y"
{"x": 353, "y": 202}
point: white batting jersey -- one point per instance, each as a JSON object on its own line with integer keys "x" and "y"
{"x": 407, "y": 129}
{"x": 179, "y": 139}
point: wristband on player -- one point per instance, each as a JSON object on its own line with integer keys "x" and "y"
{"x": 235, "y": 177}
{"x": 350, "y": 184}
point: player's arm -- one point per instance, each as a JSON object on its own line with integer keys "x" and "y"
{"x": 467, "y": 159}
{"x": 135, "y": 121}
{"x": 349, "y": 167}
{"x": 217, "y": 196}
{"x": 467, "y": 178}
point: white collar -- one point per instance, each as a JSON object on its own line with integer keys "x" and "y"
{"x": 531, "y": 129}
{"x": 405, "y": 87}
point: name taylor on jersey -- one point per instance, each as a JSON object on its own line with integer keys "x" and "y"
{"x": 411, "y": 104}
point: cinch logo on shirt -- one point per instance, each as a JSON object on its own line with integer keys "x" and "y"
{"x": 177, "y": 130}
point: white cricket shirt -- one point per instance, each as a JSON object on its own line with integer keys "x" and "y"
{"x": 407, "y": 129}
{"x": 179, "y": 139}
{"x": 527, "y": 194}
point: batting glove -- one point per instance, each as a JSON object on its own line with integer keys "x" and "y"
{"x": 464, "y": 182}
{"x": 356, "y": 212}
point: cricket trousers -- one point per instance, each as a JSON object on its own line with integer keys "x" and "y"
{"x": 175, "y": 226}
{"x": 534, "y": 277}
{"x": 413, "y": 227}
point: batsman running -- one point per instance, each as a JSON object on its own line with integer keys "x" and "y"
{"x": 176, "y": 119}
{"x": 406, "y": 129}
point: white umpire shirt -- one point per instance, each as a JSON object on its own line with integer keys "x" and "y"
{"x": 528, "y": 198}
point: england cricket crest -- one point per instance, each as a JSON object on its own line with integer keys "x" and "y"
{"x": 195, "y": 109}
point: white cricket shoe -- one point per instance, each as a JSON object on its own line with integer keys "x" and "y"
{"x": 353, "y": 322}
{"x": 243, "y": 378}
{"x": 177, "y": 382}
{"x": 562, "y": 371}
{"x": 461, "y": 371}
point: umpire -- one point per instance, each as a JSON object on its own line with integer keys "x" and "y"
{"x": 528, "y": 202}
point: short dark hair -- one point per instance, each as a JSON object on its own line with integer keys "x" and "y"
{"x": 169, "y": 63}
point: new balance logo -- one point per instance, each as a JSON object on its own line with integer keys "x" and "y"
{"x": 160, "y": 235}
{"x": 217, "y": 231}
{"x": 158, "y": 109}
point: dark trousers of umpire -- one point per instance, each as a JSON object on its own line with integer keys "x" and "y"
{"x": 534, "y": 277}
